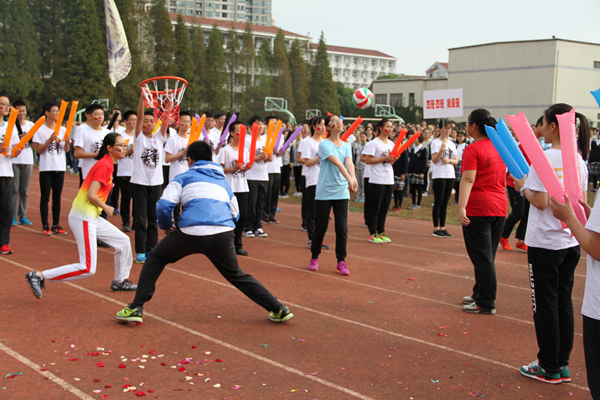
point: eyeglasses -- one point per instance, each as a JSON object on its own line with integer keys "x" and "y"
{"x": 4, "y": 105}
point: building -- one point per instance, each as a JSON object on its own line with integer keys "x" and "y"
{"x": 257, "y": 12}
{"x": 509, "y": 77}
{"x": 357, "y": 68}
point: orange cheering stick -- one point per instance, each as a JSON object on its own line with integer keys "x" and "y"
{"x": 398, "y": 143}
{"x": 352, "y": 128}
{"x": 28, "y": 135}
{"x": 241, "y": 145}
{"x": 193, "y": 130}
{"x": 405, "y": 145}
{"x": 253, "y": 143}
{"x": 71, "y": 120}
{"x": 200, "y": 127}
{"x": 271, "y": 141}
{"x": 61, "y": 116}
{"x": 9, "y": 128}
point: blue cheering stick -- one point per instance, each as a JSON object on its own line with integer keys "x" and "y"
{"x": 511, "y": 146}
{"x": 596, "y": 94}
{"x": 506, "y": 156}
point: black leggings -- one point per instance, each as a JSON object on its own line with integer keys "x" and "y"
{"x": 442, "y": 190}
{"x": 591, "y": 349}
{"x": 519, "y": 212}
{"x": 340, "y": 215}
{"x": 51, "y": 181}
{"x": 381, "y": 195}
{"x": 416, "y": 192}
{"x": 285, "y": 179}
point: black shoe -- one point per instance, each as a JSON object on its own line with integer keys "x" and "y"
{"x": 283, "y": 315}
{"x": 273, "y": 221}
{"x": 241, "y": 252}
{"x": 101, "y": 244}
{"x": 439, "y": 234}
{"x": 304, "y": 228}
{"x": 125, "y": 286}
{"x": 446, "y": 233}
{"x": 324, "y": 246}
{"x": 265, "y": 221}
{"x": 126, "y": 228}
{"x": 35, "y": 283}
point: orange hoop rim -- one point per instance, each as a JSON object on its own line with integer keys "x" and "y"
{"x": 154, "y": 92}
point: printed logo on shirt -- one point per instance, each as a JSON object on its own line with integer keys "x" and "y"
{"x": 129, "y": 147}
{"x": 259, "y": 151}
{"x": 182, "y": 159}
{"x": 54, "y": 148}
{"x": 447, "y": 153}
{"x": 96, "y": 146}
{"x": 385, "y": 154}
{"x": 239, "y": 173}
{"x": 150, "y": 157}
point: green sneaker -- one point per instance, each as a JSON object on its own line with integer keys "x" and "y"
{"x": 284, "y": 314}
{"x": 535, "y": 371}
{"x": 384, "y": 238}
{"x": 565, "y": 374}
{"x": 130, "y": 314}
{"x": 375, "y": 239}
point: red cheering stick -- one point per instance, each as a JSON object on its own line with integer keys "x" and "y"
{"x": 398, "y": 143}
{"x": 253, "y": 143}
{"x": 405, "y": 145}
{"x": 352, "y": 128}
{"x": 241, "y": 145}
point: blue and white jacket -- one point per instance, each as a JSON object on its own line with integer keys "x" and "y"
{"x": 205, "y": 195}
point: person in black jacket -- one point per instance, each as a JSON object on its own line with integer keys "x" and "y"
{"x": 594, "y": 161}
{"x": 417, "y": 169}
{"x": 400, "y": 169}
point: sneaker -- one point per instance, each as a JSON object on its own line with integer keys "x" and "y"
{"x": 265, "y": 221}
{"x": 468, "y": 300}
{"x": 15, "y": 223}
{"x": 283, "y": 315}
{"x": 396, "y": 208}
{"x": 46, "y": 231}
{"x": 314, "y": 264}
{"x": 284, "y": 196}
{"x": 241, "y": 252}
{"x": 413, "y": 207}
{"x": 304, "y": 228}
{"x": 278, "y": 210}
{"x": 425, "y": 194}
{"x": 473, "y": 308}
{"x": 324, "y": 246}
{"x": 140, "y": 258}
{"x": 126, "y": 228}
{"x": 250, "y": 234}
{"x": 57, "y": 230}
{"x": 24, "y": 221}
{"x": 418, "y": 208}
{"x": 385, "y": 239}
{"x": 4, "y": 249}
{"x": 125, "y": 286}
{"x": 36, "y": 284}
{"x": 100, "y": 243}
{"x": 439, "y": 234}
{"x": 594, "y": 190}
{"x": 273, "y": 221}
{"x": 535, "y": 371}
{"x": 522, "y": 246}
{"x": 375, "y": 239}
{"x": 309, "y": 245}
{"x": 505, "y": 245}
{"x": 446, "y": 233}
{"x": 342, "y": 269}
{"x": 260, "y": 233}
{"x": 130, "y": 314}
{"x": 565, "y": 374}
{"x": 298, "y": 194}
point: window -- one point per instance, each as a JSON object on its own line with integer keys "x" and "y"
{"x": 209, "y": 5}
{"x": 345, "y": 72}
{"x": 381, "y": 99}
{"x": 354, "y": 74}
{"x": 224, "y": 15}
{"x": 431, "y": 76}
{"x": 243, "y": 16}
{"x": 411, "y": 99}
{"x": 390, "y": 64}
{"x": 224, "y": 6}
{"x": 396, "y": 99}
{"x": 181, "y": 4}
{"x": 190, "y": 4}
{"x": 198, "y": 4}
{"x": 180, "y": 11}
{"x": 210, "y": 14}
{"x": 336, "y": 72}
{"x": 172, "y": 10}
{"x": 597, "y": 64}
{"x": 173, "y": 3}
{"x": 355, "y": 60}
{"x": 337, "y": 59}
{"x": 241, "y": 8}
{"x": 372, "y": 75}
{"x": 190, "y": 12}
{"x": 373, "y": 62}
{"x": 199, "y": 13}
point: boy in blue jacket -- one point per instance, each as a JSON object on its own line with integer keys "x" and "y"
{"x": 210, "y": 210}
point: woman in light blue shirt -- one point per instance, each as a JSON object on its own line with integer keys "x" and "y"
{"x": 336, "y": 179}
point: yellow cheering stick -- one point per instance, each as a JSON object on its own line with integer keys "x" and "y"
{"x": 200, "y": 127}
{"x": 193, "y": 129}
{"x": 157, "y": 127}
{"x": 274, "y": 136}
{"x": 270, "y": 129}
{"x": 71, "y": 120}
{"x": 9, "y": 128}
{"x": 61, "y": 116}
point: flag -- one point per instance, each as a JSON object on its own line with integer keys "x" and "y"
{"x": 119, "y": 56}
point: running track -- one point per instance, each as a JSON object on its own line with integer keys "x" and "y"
{"x": 393, "y": 329}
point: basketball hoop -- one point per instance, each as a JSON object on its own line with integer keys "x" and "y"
{"x": 163, "y": 99}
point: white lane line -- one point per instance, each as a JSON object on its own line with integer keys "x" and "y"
{"x": 206, "y": 337}
{"x": 63, "y": 384}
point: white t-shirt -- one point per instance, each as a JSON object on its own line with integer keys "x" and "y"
{"x": 214, "y": 136}
{"x": 351, "y": 139}
{"x": 172, "y": 132}
{"x": 440, "y": 170}
{"x": 309, "y": 148}
{"x": 126, "y": 164}
{"x": 543, "y": 230}
{"x": 174, "y": 145}
{"x": 90, "y": 140}
{"x": 591, "y": 297}
{"x": 460, "y": 148}
{"x": 381, "y": 173}
{"x": 367, "y": 173}
{"x": 26, "y": 156}
{"x": 228, "y": 157}
{"x": 147, "y": 160}
{"x": 53, "y": 159}
{"x": 5, "y": 163}
{"x": 259, "y": 171}
{"x": 274, "y": 167}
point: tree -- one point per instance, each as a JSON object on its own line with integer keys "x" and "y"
{"x": 263, "y": 81}
{"x": 164, "y": 42}
{"x": 232, "y": 56}
{"x": 18, "y": 61}
{"x": 323, "y": 92}
{"x": 196, "y": 91}
{"x": 216, "y": 71}
{"x": 282, "y": 80}
{"x": 184, "y": 65}
{"x": 388, "y": 76}
{"x": 299, "y": 79}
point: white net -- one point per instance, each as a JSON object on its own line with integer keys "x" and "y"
{"x": 164, "y": 95}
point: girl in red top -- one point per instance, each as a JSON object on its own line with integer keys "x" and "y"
{"x": 482, "y": 210}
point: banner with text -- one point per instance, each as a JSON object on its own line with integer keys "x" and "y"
{"x": 443, "y": 103}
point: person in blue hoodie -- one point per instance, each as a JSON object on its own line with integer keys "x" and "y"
{"x": 206, "y": 226}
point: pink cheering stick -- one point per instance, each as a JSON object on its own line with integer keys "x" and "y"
{"x": 275, "y": 151}
{"x": 352, "y": 128}
{"x": 290, "y": 139}
{"x": 570, "y": 157}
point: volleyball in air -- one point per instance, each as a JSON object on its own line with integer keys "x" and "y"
{"x": 363, "y": 98}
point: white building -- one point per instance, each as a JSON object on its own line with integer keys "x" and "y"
{"x": 357, "y": 68}
{"x": 257, "y": 12}
{"x": 510, "y": 77}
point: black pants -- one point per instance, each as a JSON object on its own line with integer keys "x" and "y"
{"x": 308, "y": 197}
{"x": 256, "y": 204}
{"x": 381, "y": 196}
{"x": 482, "y": 236}
{"x": 219, "y": 249}
{"x": 126, "y": 195}
{"x": 594, "y": 180}
{"x": 591, "y": 349}
{"x": 242, "y": 199}
{"x": 144, "y": 216}
{"x": 272, "y": 198}
{"x": 6, "y": 209}
{"x": 113, "y": 200}
{"x": 398, "y": 197}
{"x": 298, "y": 178}
{"x": 285, "y": 179}
{"x": 551, "y": 274}
{"x": 165, "y": 169}
{"x": 456, "y": 191}
{"x": 416, "y": 192}
{"x": 51, "y": 181}
{"x": 442, "y": 190}
{"x": 367, "y": 202}
{"x": 340, "y": 216}
{"x": 519, "y": 212}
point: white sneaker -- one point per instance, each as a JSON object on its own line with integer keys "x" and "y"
{"x": 425, "y": 194}
{"x": 250, "y": 234}
{"x": 260, "y": 233}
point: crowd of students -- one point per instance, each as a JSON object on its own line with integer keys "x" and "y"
{"x": 199, "y": 192}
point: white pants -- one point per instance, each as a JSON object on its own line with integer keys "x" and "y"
{"x": 86, "y": 232}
